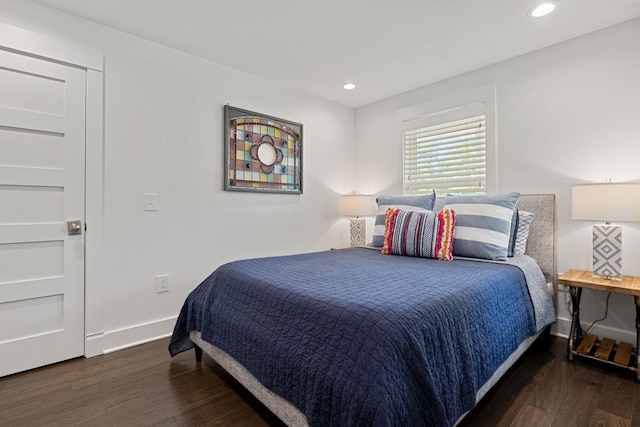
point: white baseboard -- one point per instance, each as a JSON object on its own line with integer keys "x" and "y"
{"x": 119, "y": 339}
{"x": 563, "y": 326}
{"x": 93, "y": 345}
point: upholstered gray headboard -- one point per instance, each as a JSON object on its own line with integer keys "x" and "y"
{"x": 541, "y": 244}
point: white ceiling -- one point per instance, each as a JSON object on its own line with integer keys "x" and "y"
{"x": 385, "y": 47}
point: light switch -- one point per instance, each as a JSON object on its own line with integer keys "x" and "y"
{"x": 150, "y": 201}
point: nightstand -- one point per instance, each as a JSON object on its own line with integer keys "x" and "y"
{"x": 589, "y": 346}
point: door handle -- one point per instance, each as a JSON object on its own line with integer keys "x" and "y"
{"x": 74, "y": 227}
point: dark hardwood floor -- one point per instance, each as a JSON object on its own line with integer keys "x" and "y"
{"x": 143, "y": 386}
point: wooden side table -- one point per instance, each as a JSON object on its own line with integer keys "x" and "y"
{"x": 589, "y": 346}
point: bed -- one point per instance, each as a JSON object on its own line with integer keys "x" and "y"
{"x": 356, "y": 337}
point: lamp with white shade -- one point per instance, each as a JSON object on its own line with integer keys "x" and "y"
{"x": 608, "y": 202}
{"x": 357, "y": 205}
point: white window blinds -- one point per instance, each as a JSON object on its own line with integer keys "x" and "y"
{"x": 449, "y": 157}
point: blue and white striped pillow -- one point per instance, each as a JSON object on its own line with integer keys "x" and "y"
{"x": 407, "y": 203}
{"x": 483, "y": 224}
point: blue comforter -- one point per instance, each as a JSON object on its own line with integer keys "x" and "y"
{"x": 354, "y": 337}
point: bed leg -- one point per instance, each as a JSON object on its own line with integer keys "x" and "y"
{"x": 198, "y": 354}
{"x": 546, "y": 334}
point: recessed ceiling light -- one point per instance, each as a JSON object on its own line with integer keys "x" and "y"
{"x": 542, "y": 9}
{"x": 349, "y": 86}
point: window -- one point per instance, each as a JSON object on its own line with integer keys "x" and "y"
{"x": 449, "y": 156}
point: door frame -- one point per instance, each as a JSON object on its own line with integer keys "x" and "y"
{"x": 62, "y": 51}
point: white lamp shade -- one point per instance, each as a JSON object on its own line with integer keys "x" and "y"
{"x": 357, "y": 205}
{"x": 606, "y": 202}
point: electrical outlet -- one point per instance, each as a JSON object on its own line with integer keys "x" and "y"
{"x": 162, "y": 283}
{"x": 150, "y": 201}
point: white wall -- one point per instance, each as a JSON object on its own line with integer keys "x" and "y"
{"x": 566, "y": 114}
{"x": 164, "y": 134}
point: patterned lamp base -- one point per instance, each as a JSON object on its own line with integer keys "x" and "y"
{"x": 607, "y": 251}
{"x": 358, "y": 232}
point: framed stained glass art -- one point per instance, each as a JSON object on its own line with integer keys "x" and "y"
{"x": 262, "y": 153}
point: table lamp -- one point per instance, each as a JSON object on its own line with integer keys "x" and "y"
{"x": 357, "y": 205}
{"x": 618, "y": 202}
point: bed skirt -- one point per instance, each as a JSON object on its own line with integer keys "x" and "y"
{"x": 289, "y": 414}
{"x": 284, "y": 410}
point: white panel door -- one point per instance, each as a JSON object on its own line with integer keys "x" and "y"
{"x": 42, "y": 178}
